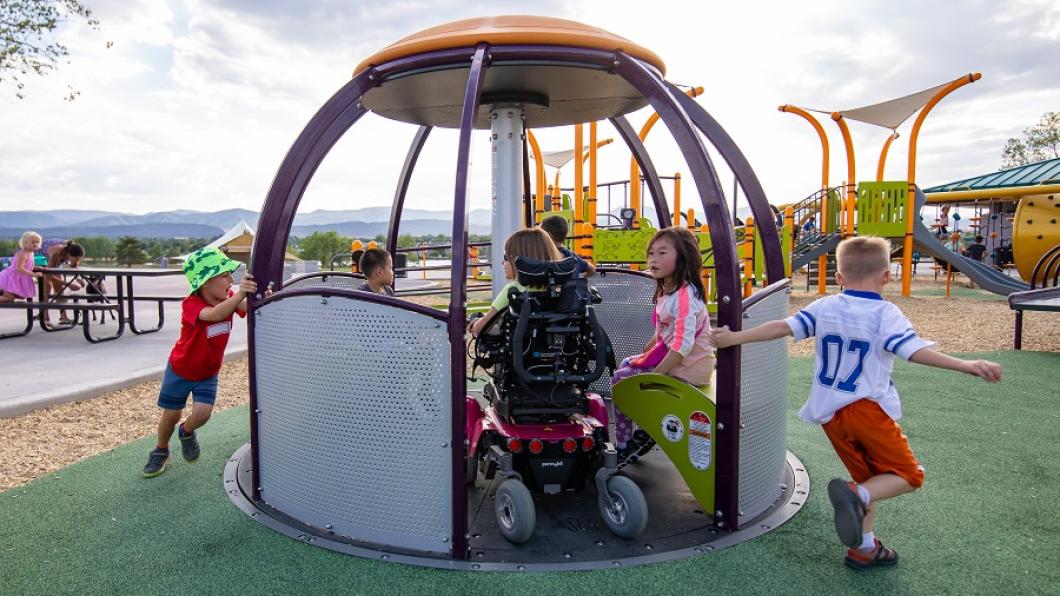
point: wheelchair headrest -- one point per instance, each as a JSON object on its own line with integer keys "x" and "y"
{"x": 532, "y": 272}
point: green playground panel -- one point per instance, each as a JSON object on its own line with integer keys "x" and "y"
{"x": 831, "y": 224}
{"x": 681, "y": 419}
{"x": 881, "y": 208}
{"x": 623, "y": 246}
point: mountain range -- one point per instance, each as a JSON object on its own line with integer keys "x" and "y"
{"x": 366, "y": 223}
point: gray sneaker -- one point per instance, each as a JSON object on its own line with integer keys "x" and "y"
{"x": 156, "y": 463}
{"x": 189, "y": 445}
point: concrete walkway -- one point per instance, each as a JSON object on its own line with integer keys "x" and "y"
{"x": 44, "y": 369}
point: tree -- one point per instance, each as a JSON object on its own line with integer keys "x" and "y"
{"x": 26, "y": 42}
{"x": 319, "y": 246}
{"x": 129, "y": 251}
{"x": 1039, "y": 143}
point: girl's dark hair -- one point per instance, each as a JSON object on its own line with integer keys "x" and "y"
{"x": 73, "y": 249}
{"x": 689, "y": 266}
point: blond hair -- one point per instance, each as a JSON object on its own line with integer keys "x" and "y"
{"x": 862, "y": 257}
{"x": 28, "y": 237}
{"x": 533, "y": 243}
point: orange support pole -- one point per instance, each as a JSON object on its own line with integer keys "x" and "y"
{"x": 539, "y": 171}
{"x": 910, "y": 205}
{"x": 634, "y": 170}
{"x": 748, "y": 255}
{"x": 822, "y": 263}
{"x": 590, "y": 203}
{"x": 557, "y": 194}
{"x": 851, "y": 192}
{"x": 690, "y": 219}
{"x": 579, "y": 170}
{"x": 789, "y": 223}
{"x": 677, "y": 199}
{"x": 883, "y": 155}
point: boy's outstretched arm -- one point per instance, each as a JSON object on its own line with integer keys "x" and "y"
{"x": 723, "y": 338}
{"x": 984, "y": 369}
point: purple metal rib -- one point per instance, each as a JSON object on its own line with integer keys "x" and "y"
{"x": 356, "y": 295}
{"x": 756, "y": 197}
{"x": 403, "y": 187}
{"x": 458, "y": 301}
{"x": 277, "y": 214}
{"x": 528, "y": 197}
{"x": 651, "y": 86}
{"x": 662, "y": 210}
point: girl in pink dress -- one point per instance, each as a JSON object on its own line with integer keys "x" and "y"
{"x": 20, "y": 280}
{"x": 681, "y": 345}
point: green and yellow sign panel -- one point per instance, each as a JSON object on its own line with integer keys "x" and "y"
{"x": 681, "y": 419}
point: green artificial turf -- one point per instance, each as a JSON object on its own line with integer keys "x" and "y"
{"x": 986, "y": 521}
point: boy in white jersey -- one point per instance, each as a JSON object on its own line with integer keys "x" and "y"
{"x": 858, "y": 334}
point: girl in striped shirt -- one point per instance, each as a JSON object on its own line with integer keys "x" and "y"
{"x": 681, "y": 346}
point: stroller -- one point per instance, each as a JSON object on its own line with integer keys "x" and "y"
{"x": 539, "y": 428}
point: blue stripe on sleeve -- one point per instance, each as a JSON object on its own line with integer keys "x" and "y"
{"x": 806, "y": 323}
{"x": 812, "y": 318}
{"x": 802, "y": 322}
{"x": 888, "y": 341}
{"x": 905, "y": 339}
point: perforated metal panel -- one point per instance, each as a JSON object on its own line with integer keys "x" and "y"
{"x": 327, "y": 280}
{"x": 354, "y": 421}
{"x": 625, "y": 315}
{"x": 763, "y": 410}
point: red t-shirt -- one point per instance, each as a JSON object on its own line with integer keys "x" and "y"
{"x": 200, "y": 349}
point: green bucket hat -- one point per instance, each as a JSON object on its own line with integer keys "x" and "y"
{"x": 206, "y": 264}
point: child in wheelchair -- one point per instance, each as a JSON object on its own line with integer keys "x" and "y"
{"x": 538, "y": 427}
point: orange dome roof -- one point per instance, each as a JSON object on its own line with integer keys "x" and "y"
{"x": 510, "y": 30}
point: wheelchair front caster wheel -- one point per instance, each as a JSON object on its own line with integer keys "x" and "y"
{"x": 514, "y": 506}
{"x": 626, "y": 514}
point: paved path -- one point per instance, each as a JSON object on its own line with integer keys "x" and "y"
{"x": 44, "y": 369}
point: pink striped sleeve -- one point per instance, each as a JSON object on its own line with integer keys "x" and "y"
{"x": 684, "y": 323}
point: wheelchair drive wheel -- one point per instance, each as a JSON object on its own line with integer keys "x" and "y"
{"x": 626, "y": 514}
{"x": 514, "y": 506}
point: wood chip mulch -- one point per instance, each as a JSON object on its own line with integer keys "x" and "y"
{"x": 39, "y": 443}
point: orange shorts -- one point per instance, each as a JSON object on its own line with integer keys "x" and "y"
{"x": 870, "y": 443}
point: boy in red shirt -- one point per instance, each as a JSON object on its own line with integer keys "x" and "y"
{"x": 205, "y": 324}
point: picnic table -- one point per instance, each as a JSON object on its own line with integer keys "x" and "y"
{"x": 119, "y": 305}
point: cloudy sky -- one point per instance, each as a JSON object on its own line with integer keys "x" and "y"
{"x": 196, "y": 102}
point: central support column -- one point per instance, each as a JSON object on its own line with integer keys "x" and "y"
{"x": 506, "y": 147}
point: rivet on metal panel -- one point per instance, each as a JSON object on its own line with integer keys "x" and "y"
{"x": 446, "y": 539}
{"x": 721, "y": 426}
{"x": 323, "y": 300}
{"x": 725, "y": 299}
{"x": 445, "y": 443}
{"x": 746, "y": 315}
{"x": 328, "y": 526}
{"x": 742, "y": 425}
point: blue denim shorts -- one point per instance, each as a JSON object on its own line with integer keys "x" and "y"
{"x": 175, "y": 390}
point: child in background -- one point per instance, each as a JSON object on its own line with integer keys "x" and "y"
{"x": 681, "y": 345}
{"x": 557, "y": 229}
{"x": 378, "y": 269}
{"x": 19, "y": 280}
{"x": 66, "y": 254}
{"x": 858, "y": 335}
{"x": 205, "y": 324}
{"x": 533, "y": 243}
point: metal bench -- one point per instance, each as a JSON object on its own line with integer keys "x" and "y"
{"x": 1042, "y": 299}
{"x": 36, "y": 309}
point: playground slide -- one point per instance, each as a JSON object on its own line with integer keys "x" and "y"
{"x": 982, "y": 274}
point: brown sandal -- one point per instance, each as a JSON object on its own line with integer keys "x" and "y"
{"x": 881, "y": 556}
{"x": 849, "y": 511}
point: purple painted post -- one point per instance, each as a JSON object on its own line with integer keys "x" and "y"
{"x": 632, "y": 139}
{"x": 277, "y": 214}
{"x": 756, "y": 196}
{"x": 651, "y": 86}
{"x": 403, "y": 187}
{"x": 458, "y": 301}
